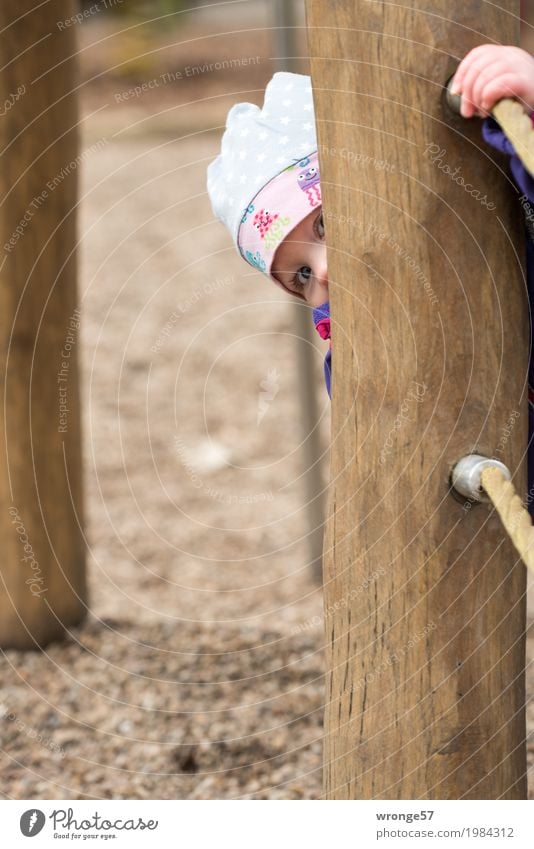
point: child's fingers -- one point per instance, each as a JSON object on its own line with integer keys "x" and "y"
{"x": 490, "y": 72}
{"x": 465, "y": 66}
{"x": 486, "y": 75}
{"x": 507, "y": 85}
{"x": 478, "y": 66}
{"x": 461, "y": 70}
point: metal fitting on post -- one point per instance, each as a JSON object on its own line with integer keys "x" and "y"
{"x": 466, "y": 475}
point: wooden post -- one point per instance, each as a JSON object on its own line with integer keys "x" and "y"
{"x": 424, "y": 594}
{"x": 42, "y": 586}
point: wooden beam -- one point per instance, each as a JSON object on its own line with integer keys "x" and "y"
{"x": 424, "y": 594}
{"x": 42, "y": 588}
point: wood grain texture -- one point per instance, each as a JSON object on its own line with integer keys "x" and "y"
{"x": 424, "y": 596}
{"x": 40, "y": 464}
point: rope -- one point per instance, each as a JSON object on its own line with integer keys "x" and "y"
{"x": 515, "y": 518}
{"x": 518, "y": 127}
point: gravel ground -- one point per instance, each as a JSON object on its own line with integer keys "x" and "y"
{"x": 199, "y": 671}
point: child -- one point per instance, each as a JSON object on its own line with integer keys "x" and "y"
{"x": 272, "y": 203}
{"x": 265, "y": 187}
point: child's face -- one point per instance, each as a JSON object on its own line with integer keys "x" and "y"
{"x": 300, "y": 260}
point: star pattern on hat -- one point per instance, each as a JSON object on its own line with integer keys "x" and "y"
{"x": 266, "y": 139}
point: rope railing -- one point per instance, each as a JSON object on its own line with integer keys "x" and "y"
{"x": 515, "y": 123}
{"x": 481, "y": 479}
{"x": 515, "y": 519}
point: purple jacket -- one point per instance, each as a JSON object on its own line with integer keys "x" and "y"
{"x": 493, "y": 135}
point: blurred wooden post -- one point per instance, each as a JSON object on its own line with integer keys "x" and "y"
{"x": 424, "y": 594}
{"x": 42, "y": 588}
{"x": 305, "y": 338}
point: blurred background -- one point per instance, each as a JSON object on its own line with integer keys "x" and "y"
{"x": 199, "y": 671}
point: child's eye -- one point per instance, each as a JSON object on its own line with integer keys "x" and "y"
{"x": 319, "y": 226}
{"x": 302, "y": 276}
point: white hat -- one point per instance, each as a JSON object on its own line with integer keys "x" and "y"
{"x": 257, "y": 145}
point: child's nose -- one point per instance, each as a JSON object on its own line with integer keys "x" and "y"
{"x": 321, "y": 265}
{"x": 322, "y": 275}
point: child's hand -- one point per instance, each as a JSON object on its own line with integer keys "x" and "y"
{"x": 490, "y": 72}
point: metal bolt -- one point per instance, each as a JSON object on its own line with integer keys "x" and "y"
{"x": 466, "y": 475}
